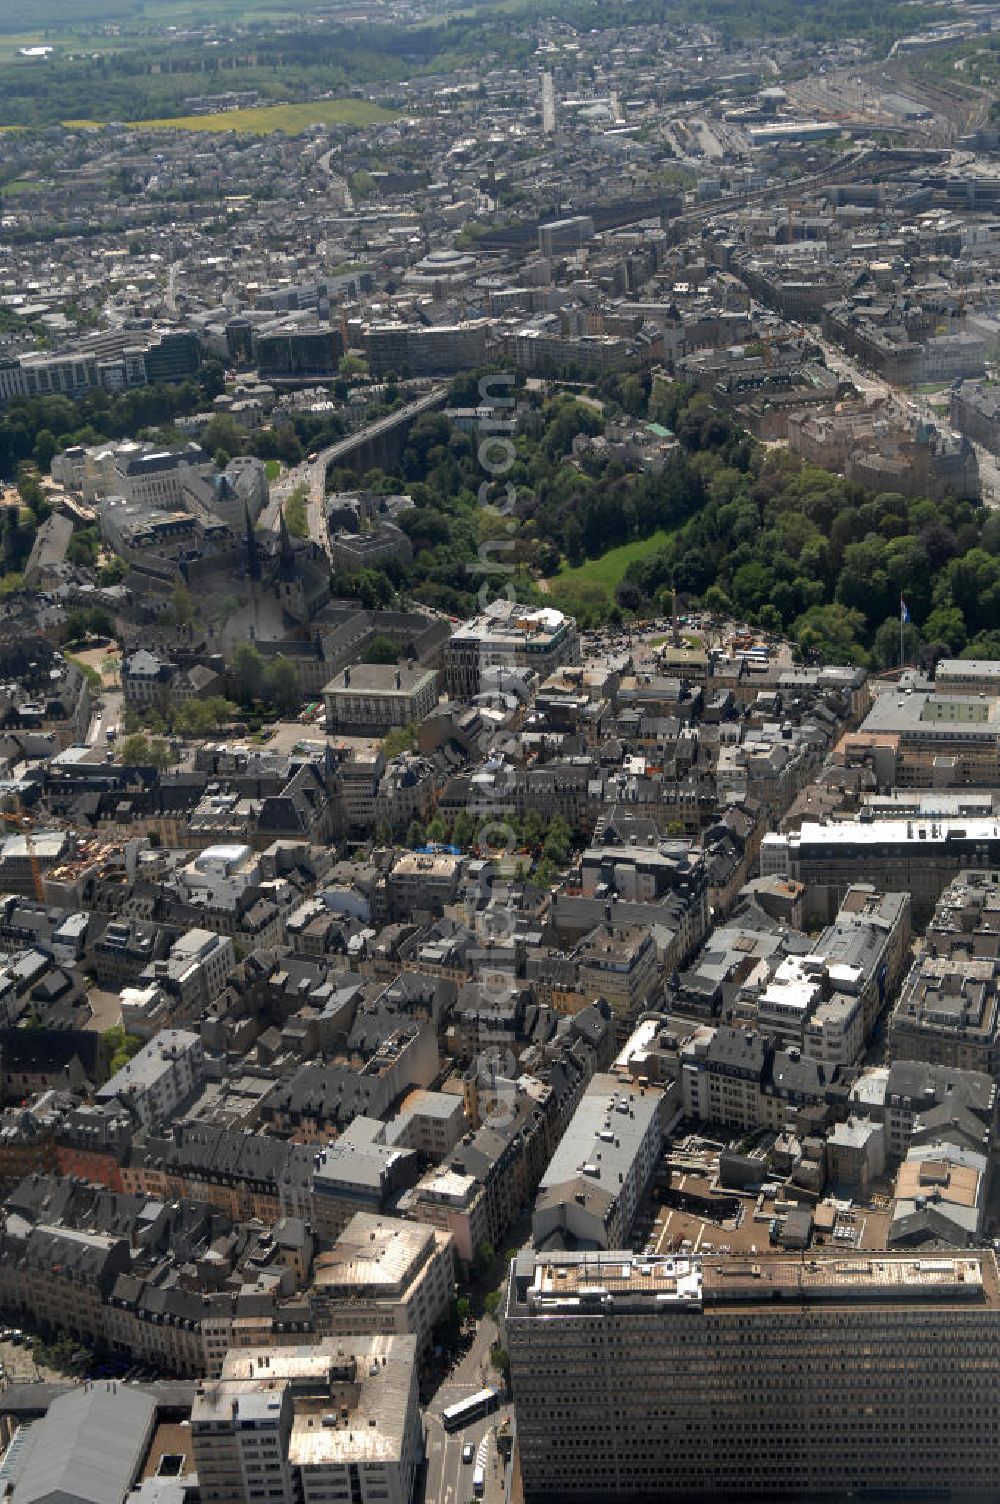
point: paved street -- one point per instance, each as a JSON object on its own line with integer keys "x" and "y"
{"x": 107, "y": 718}
{"x": 448, "y": 1478}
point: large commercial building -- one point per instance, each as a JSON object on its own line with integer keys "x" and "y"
{"x": 508, "y": 636}
{"x": 921, "y": 740}
{"x": 917, "y": 856}
{"x": 89, "y": 1447}
{"x": 642, "y": 1378}
{"x": 425, "y": 350}
{"x": 967, "y": 676}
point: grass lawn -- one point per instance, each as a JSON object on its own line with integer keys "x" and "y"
{"x": 272, "y": 469}
{"x": 290, "y": 118}
{"x": 605, "y": 573}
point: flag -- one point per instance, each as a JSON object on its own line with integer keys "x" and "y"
{"x": 904, "y": 611}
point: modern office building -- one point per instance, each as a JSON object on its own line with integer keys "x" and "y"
{"x": 508, "y": 636}
{"x": 295, "y": 351}
{"x": 425, "y": 350}
{"x": 640, "y": 1378}
{"x": 565, "y": 234}
{"x": 113, "y": 359}
{"x": 916, "y": 856}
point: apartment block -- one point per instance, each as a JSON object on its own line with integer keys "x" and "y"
{"x": 826, "y": 1002}
{"x": 591, "y": 1190}
{"x": 949, "y": 1014}
{"x": 967, "y": 918}
{"x": 194, "y": 971}
{"x": 915, "y": 1100}
{"x": 618, "y": 963}
{"x": 334, "y": 1422}
{"x": 455, "y": 1202}
{"x": 418, "y": 350}
{"x": 159, "y": 1078}
{"x": 384, "y": 1276}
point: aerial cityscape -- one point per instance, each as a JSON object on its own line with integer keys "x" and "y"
{"x": 499, "y": 751}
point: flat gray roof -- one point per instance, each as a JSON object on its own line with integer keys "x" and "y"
{"x": 89, "y": 1447}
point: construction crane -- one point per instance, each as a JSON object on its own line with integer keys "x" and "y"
{"x": 24, "y": 823}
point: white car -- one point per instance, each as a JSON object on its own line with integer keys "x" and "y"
{"x": 468, "y": 1452}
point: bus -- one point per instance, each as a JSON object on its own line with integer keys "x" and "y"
{"x": 466, "y": 1411}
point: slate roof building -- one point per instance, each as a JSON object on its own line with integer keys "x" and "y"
{"x": 88, "y": 1449}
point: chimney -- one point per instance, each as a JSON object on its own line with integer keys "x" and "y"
{"x": 399, "y": 679}
{"x": 347, "y": 678}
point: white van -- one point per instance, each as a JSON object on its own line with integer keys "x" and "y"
{"x": 479, "y": 1482}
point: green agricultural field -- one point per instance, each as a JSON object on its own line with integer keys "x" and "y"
{"x": 11, "y": 45}
{"x": 602, "y": 575}
{"x": 68, "y": 17}
{"x": 290, "y": 118}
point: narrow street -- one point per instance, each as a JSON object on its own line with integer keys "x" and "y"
{"x": 448, "y": 1480}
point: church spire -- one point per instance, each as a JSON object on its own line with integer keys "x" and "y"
{"x": 287, "y": 549}
{"x": 253, "y": 557}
